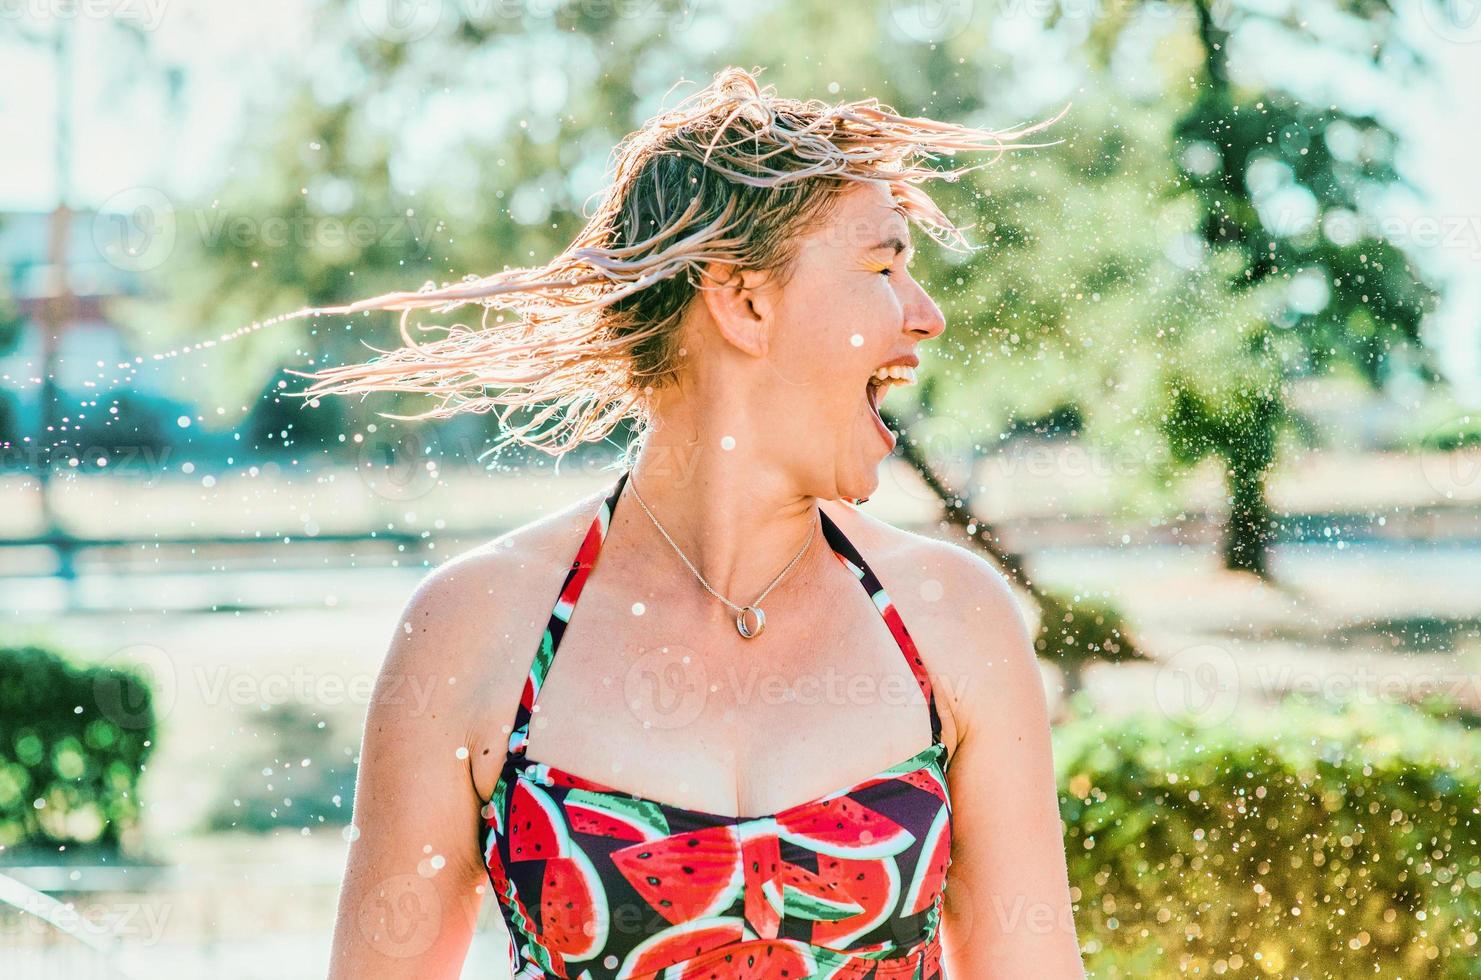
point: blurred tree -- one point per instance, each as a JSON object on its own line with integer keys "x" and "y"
{"x": 1203, "y": 237}
{"x": 1286, "y": 177}
{"x": 11, "y": 325}
{"x": 404, "y": 154}
{"x": 1156, "y": 278}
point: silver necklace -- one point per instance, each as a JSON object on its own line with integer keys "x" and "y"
{"x": 749, "y": 620}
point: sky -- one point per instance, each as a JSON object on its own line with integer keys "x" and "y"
{"x": 127, "y": 136}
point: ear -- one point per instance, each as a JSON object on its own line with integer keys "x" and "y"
{"x": 740, "y": 302}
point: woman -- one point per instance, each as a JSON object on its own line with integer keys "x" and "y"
{"x": 742, "y": 763}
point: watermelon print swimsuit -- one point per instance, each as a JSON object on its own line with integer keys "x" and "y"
{"x": 595, "y": 883}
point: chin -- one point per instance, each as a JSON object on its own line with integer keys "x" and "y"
{"x": 860, "y": 489}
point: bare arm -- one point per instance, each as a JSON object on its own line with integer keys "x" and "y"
{"x": 414, "y": 879}
{"x": 1008, "y": 910}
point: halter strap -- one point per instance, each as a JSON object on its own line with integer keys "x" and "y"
{"x": 585, "y": 560}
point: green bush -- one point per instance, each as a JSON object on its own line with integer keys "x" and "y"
{"x": 73, "y": 742}
{"x": 1305, "y": 840}
{"x": 1451, "y": 434}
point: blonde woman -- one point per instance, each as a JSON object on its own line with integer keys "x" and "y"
{"x": 712, "y": 720}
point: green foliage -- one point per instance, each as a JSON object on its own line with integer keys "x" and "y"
{"x": 1076, "y": 630}
{"x": 279, "y": 424}
{"x": 143, "y": 423}
{"x": 273, "y": 787}
{"x": 73, "y": 743}
{"x": 10, "y": 423}
{"x": 391, "y": 164}
{"x": 11, "y": 323}
{"x": 1460, "y": 432}
{"x": 1194, "y": 242}
{"x": 1305, "y": 840}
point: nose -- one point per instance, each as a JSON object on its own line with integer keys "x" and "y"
{"x": 922, "y": 315}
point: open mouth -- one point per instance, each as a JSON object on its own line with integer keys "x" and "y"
{"x": 879, "y": 384}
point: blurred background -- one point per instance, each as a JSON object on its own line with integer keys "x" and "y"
{"x": 1211, "y": 396}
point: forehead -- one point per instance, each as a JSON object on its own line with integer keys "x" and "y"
{"x": 863, "y": 216}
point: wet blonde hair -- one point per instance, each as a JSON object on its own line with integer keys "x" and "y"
{"x": 732, "y": 174}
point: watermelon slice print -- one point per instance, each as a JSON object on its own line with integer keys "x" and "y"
{"x": 931, "y": 958}
{"x": 574, "y": 917}
{"x": 873, "y": 886}
{"x": 493, "y": 811}
{"x": 680, "y": 943}
{"x": 547, "y": 959}
{"x": 853, "y": 969}
{"x": 686, "y": 876}
{"x": 537, "y": 831}
{"x": 906, "y": 967}
{"x": 843, "y": 827}
{"x": 925, "y": 776}
{"x": 762, "y": 959}
{"x": 817, "y": 897}
{"x": 930, "y": 872}
{"x": 620, "y": 817}
{"x": 928, "y": 779}
{"x": 761, "y": 864}
{"x": 531, "y": 970}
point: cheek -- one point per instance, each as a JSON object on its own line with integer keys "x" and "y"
{"x": 839, "y": 329}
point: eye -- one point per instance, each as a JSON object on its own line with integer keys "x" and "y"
{"x": 886, "y": 271}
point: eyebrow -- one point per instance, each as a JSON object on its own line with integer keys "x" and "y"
{"x": 893, "y": 242}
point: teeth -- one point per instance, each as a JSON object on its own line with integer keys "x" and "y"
{"x": 895, "y": 374}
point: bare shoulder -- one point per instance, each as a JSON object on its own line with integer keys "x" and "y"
{"x": 964, "y": 615}
{"x": 466, "y": 618}
{"x": 942, "y": 580}
{"x": 489, "y": 573}
{"x": 425, "y": 762}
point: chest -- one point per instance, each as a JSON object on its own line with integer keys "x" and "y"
{"x": 655, "y": 692}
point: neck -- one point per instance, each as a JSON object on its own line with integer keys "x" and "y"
{"x": 737, "y": 520}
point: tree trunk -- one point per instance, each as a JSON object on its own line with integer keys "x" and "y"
{"x": 1248, "y": 530}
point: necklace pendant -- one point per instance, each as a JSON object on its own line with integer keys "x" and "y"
{"x": 743, "y": 625}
